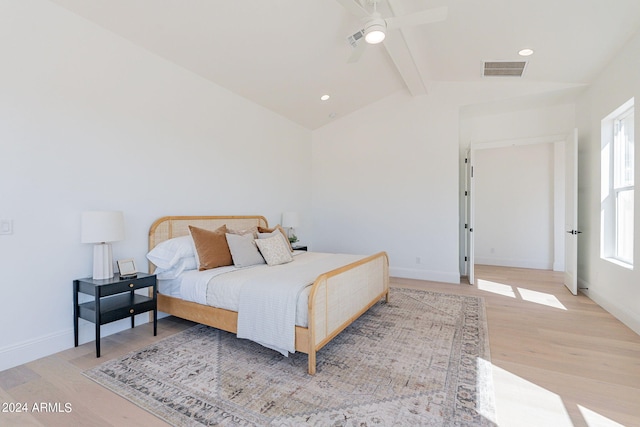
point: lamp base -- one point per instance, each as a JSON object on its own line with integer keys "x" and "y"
{"x": 102, "y": 261}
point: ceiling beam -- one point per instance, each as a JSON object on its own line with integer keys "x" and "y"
{"x": 402, "y": 58}
{"x": 401, "y": 55}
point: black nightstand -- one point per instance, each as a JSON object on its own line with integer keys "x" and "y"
{"x": 299, "y": 248}
{"x": 115, "y": 299}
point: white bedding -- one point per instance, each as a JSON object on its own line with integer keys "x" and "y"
{"x": 267, "y": 304}
{"x": 169, "y": 287}
{"x": 222, "y": 288}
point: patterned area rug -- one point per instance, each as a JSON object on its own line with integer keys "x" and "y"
{"x": 422, "y": 359}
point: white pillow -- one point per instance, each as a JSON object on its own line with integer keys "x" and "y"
{"x": 274, "y": 250}
{"x": 243, "y": 250}
{"x": 168, "y": 253}
{"x": 183, "y": 264}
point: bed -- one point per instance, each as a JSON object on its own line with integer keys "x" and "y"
{"x": 335, "y": 299}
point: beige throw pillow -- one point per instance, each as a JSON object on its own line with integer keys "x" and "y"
{"x": 274, "y": 250}
{"x": 251, "y": 230}
{"x": 244, "y": 250}
{"x": 279, "y": 228}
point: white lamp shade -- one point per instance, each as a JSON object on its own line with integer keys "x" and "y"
{"x": 290, "y": 219}
{"x": 102, "y": 226}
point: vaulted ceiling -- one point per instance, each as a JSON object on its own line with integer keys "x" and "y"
{"x": 285, "y": 54}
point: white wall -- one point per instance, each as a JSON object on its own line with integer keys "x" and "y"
{"x": 514, "y": 209}
{"x": 386, "y": 178}
{"x": 90, "y": 121}
{"x": 615, "y": 288}
{"x": 517, "y": 124}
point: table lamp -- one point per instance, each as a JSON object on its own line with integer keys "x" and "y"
{"x": 102, "y": 228}
{"x": 290, "y": 221}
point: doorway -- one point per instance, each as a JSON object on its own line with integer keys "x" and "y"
{"x": 516, "y": 204}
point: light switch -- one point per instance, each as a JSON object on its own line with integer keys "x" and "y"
{"x": 6, "y": 226}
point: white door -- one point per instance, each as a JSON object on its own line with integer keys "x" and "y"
{"x": 571, "y": 213}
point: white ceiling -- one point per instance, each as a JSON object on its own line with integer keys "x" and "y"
{"x": 285, "y": 54}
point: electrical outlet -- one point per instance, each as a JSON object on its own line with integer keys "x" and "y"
{"x": 6, "y": 226}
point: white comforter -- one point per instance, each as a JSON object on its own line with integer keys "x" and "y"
{"x": 270, "y": 300}
{"x": 267, "y": 310}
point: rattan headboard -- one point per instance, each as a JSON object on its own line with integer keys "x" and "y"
{"x": 168, "y": 227}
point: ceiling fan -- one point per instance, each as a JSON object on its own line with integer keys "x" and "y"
{"x": 375, "y": 26}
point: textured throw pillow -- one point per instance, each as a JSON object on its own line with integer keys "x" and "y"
{"x": 211, "y": 247}
{"x": 274, "y": 250}
{"x": 244, "y": 250}
{"x": 279, "y": 228}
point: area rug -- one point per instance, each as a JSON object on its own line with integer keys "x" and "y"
{"x": 421, "y": 359}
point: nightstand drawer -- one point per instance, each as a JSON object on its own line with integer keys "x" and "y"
{"x": 128, "y": 285}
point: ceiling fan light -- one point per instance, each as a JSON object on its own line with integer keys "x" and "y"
{"x": 375, "y": 31}
{"x": 374, "y": 36}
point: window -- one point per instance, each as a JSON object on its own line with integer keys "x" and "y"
{"x": 617, "y": 161}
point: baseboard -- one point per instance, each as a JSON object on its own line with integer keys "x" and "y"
{"x": 434, "y": 276}
{"x": 29, "y": 350}
{"x": 583, "y": 284}
{"x": 629, "y": 318}
{"x": 46, "y": 345}
{"x": 517, "y": 263}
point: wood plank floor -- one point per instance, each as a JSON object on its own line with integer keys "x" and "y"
{"x": 558, "y": 360}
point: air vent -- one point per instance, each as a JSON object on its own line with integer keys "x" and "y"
{"x": 504, "y": 68}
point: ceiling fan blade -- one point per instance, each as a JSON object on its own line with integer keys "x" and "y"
{"x": 354, "y": 8}
{"x": 357, "y": 52}
{"x": 419, "y": 18}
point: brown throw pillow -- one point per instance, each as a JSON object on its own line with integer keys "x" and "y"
{"x": 277, "y": 227}
{"x": 212, "y": 247}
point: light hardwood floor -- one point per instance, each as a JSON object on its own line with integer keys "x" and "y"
{"x": 557, "y": 360}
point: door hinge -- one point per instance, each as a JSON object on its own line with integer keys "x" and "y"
{"x": 465, "y": 258}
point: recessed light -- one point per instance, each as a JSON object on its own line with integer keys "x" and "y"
{"x": 525, "y": 52}
{"x": 324, "y": 97}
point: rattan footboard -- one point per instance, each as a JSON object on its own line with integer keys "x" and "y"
{"x": 337, "y": 297}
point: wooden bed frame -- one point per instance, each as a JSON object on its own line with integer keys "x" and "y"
{"x": 337, "y": 298}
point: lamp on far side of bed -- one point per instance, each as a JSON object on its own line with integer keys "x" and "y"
{"x": 102, "y": 228}
{"x": 290, "y": 221}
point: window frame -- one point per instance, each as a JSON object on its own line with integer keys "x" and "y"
{"x": 612, "y": 186}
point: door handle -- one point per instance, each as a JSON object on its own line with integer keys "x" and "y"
{"x": 574, "y": 232}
